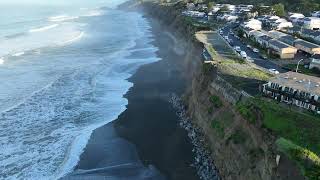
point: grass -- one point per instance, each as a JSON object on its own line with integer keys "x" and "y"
{"x": 247, "y": 111}
{"x": 303, "y": 70}
{"x": 308, "y": 161}
{"x": 299, "y": 132}
{"x": 238, "y": 137}
{"x": 216, "y": 101}
{"x": 300, "y": 127}
{"x": 218, "y": 127}
{"x": 223, "y": 121}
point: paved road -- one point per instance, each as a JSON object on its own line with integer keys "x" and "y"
{"x": 252, "y": 55}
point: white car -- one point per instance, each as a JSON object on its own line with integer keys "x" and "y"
{"x": 273, "y": 71}
{"x": 237, "y": 48}
{"x": 256, "y": 50}
{"x": 243, "y": 54}
{"x": 226, "y": 37}
{"x": 248, "y": 46}
{"x": 221, "y": 32}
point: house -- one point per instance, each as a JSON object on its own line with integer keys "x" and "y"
{"x": 307, "y": 47}
{"x": 231, "y": 18}
{"x": 276, "y": 34}
{"x": 295, "y": 16}
{"x": 295, "y": 89}
{"x": 256, "y": 34}
{"x": 284, "y": 50}
{"x": 288, "y": 39}
{"x": 294, "y": 30}
{"x": 264, "y": 40}
{"x": 191, "y": 6}
{"x": 312, "y": 23}
{"x": 247, "y": 31}
{"x": 253, "y": 24}
{"x": 315, "y": 14}
{"x": 315, "y": 62}
{"x": 283, "y": 25}
{"x": 308, "y": 33}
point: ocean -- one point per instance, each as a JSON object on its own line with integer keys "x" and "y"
{"x": 63, "y": 74}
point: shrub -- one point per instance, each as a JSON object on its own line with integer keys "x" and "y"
{"x": 218, "y": 126}
{"x": 247, "y": 111}
{"x": 215, "y": 100}
{"x": 238, "y": 137}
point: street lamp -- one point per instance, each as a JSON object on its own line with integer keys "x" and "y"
{"x": 298, "y": 65}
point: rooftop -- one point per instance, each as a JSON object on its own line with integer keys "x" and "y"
{"x": 265, "y": 38}
{"x": 288, "y": 39}
{"x": 307, "y": 44}
{"x": 278, "y": 44}
{"x": 298, "y": 81}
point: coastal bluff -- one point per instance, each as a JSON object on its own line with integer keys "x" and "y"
{"x": 240, "y": 150}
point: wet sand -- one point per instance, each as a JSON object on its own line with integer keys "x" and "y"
{"x": 146, "y": 138}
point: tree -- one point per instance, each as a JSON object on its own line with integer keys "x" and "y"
{"x": 279, "y": 9}
{"x": 262, "y": 10}
{"x": 210, "y": 5}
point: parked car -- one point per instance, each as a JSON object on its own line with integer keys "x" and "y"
{"x": 226, "y": 37}
{"x": 248, "y": 46}
{"x": 237, "y": 48}
{"x": 220, "y": 32}
{"x": 273, "y": 71}
{"x": 231, "y": 33}
{"x": 243, "y": 54}
{"x": 264, "y": 57}
{"x": 256, "y": 50}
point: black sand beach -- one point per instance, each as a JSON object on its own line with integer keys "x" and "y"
{"x": 146, "y": 137}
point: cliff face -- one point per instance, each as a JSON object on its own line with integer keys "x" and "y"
{"x": 240, "y": 150}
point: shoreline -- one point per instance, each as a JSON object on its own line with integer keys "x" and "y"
{"x": 148, "y": 79}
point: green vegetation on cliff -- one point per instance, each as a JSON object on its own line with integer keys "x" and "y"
{"x": 300, "y": 129}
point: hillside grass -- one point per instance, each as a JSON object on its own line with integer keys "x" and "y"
{"x": 301, "y": 129}
{"x": 308, "y": 161}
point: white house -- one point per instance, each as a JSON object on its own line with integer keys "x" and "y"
{"x": 284, "y": 25}
{"x": 253, "y": 24}
{"x": 191, "y": 6}
{"x": 295, "y": 15}
{"x": 274, "y": 17}
{"x": 315, "y": 14}
{"x": 312, "y": 23}
{"x": 315, "y": 62}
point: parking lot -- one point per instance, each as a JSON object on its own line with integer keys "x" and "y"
{"x": 254, "y": 57}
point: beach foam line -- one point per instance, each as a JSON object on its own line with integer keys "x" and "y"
{"x": 62, "y": 18}
{"x": 18, "y": 54}
{"x": 43, "y": 28}
{"x": 94, "y": 13}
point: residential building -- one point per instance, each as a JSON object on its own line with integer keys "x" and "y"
{"x": 315, "y": 62}
{"x": 191, "y": 6}
{"x": 288, "y": 39}
{"x": 253, "y": 24}
{"x": 295, "y": 89}
{"x": 276, "y": 34}
{"x": 295, "y": 16}
{"x": 256, "y": 34}
{"x": 307, "y": 47}
{"x": 312, "y": 23}
{"x": 315, "y": 14}
{"x": 247, "y": 31}
{"x": 284, "y": 50}
{"x": 264, "y": 40}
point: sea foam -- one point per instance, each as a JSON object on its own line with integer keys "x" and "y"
{"x": 43, "y": 28}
